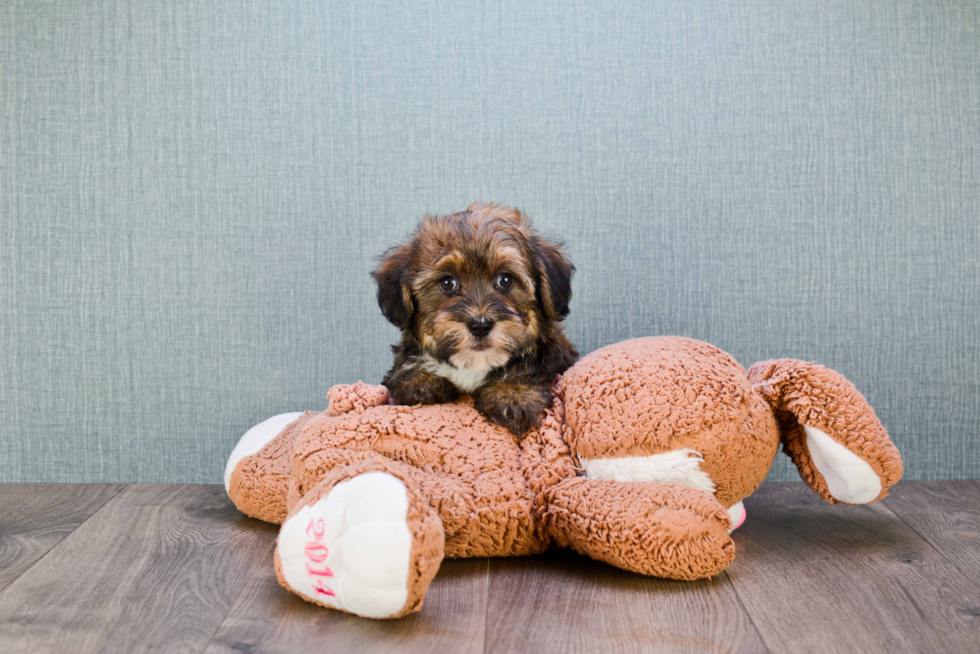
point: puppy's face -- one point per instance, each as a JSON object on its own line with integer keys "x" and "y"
{"x": 475, "y": 288}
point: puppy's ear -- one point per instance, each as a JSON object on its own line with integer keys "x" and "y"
{"x": 394, "y": 295}
{"x": 554, "y": 278}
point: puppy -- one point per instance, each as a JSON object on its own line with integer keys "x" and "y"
{"x": 479, "y": 297}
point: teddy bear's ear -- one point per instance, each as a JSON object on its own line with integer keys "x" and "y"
{"x": 394, "y": 294}
{"x": 829, "y": 431}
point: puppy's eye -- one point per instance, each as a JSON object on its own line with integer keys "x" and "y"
{"x": 504, "y": 281}
{"x": 448, "y": 284}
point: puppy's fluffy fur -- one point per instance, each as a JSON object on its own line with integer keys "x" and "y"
{"x": 479, "y": 297}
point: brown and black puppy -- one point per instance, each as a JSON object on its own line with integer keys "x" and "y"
{"x": 479, "y": 297}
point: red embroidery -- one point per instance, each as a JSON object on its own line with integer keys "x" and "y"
{"x": 323, "y": 591}
{"x": 327, "y": 572}
{"x": 317, "y": 530}
{"x": 317, "y": 553}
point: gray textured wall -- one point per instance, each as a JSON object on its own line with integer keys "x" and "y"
{"x": 192, "y": 195}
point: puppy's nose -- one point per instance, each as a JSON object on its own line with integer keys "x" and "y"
{"x": 480, "y": 326}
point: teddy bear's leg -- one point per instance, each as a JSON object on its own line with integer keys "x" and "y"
{"x": 258, "y": 470}
{"x": 364, "y": 540}
{"x": 654, "y": 528}
{"x": 255, "y": 439}
{"x": 829, "y": 431}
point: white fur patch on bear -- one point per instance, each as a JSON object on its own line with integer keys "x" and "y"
{"x": 678, "y": 466}
{"x": 255, "y": 439}
{"x": 352, "y": 548}
{"x": 849, "y": 477}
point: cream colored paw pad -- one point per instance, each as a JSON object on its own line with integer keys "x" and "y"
{"x": 849, "y": 478}
{"x": 351, "y": 549}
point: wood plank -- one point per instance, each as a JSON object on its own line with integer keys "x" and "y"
{"x": 36, "y": 517}
{"x": 946, "y": 514}
{"x": 161, "y": 568}
{"x": 157, "y": 568}
{"x": 816, "y": 577}
{"x": 565, "y": 602}
{"x": 267, "y": 618}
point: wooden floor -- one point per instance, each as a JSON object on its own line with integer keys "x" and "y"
{"x": 113, "y": 568}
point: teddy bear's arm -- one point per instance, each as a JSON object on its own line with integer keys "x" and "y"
{"x": 654, "y": 528}
{"x": 355, "y": 397}
{"x": 829, "y": 431}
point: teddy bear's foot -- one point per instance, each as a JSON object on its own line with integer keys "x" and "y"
{"x": 363, "y": 541}
{"x": 828, "y": 430}
{"x": 352, "y": 548}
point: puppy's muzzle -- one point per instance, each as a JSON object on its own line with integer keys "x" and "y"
{"x": 480, "y": 326}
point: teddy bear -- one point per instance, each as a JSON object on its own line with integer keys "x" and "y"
{"x": 642, "y": 462}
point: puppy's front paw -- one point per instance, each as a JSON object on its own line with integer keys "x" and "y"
{"x": 421, "y": 388}
{"x": 417, "y": 394}
{"x": 517, "y": 419}
{"x": 517, "y": 408}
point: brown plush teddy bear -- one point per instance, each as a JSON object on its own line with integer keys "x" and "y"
{"x": 642, "y": 462}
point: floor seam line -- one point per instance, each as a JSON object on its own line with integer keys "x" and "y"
{"x": 748, "y": 614}
{"x": 486, "y": 606}
{"x": 231, "y": 606}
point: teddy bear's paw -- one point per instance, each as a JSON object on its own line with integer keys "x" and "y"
{"x": 351, "y": 549}
{"x": 849, "y": 478}
{"x": 255, "y": 439}
{"x": 355, "y": 397}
